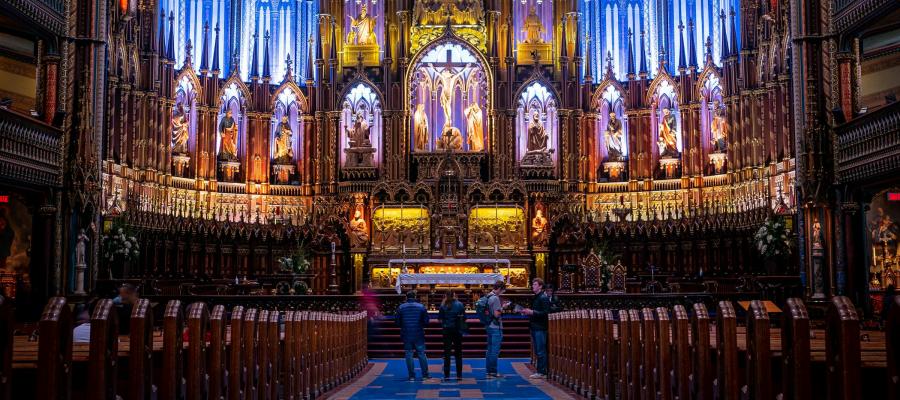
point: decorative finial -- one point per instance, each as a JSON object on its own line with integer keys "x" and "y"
{"x": 187, "y": 52}
{"x": 288, "y": 71}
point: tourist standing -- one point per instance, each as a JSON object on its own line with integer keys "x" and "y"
{"x": 453, "y": 319}
{"x": 494, "y": 329}
{"x": 540, "y": 307}
{"x": 412, "y": 318}
{"x": 555, "y": 305}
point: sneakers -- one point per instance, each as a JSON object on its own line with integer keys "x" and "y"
{"x": 538, "y": 375}
{"x": 493, "y": 375}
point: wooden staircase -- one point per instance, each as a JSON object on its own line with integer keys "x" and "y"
{"x": 384, "y": 338}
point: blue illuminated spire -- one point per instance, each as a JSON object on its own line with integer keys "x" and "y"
{"x": 681, "y": 55}
{"x": 692, "y": 54}
{"x": 734, "y": 46}
{"x": 643, "y": 55}
{"x": 204, "y": 52}
{"x": 724, "y": 37}
{"x": 161, "y": 41}
{"x": 215, "y": 65}
{"x": 266, "y": 73}
{"x": 630, "y": 52}
{"x": 170, "y": 48}
{"x": 254, "y": 67}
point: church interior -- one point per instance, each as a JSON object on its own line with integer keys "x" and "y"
{"x": 235, "y": 197}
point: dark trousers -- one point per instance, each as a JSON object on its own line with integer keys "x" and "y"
{"x": 452, "y": 342}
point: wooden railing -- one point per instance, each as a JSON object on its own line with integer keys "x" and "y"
{"x": 667, "y": 353}
{"x": 30, "y": 150}
{"x": 203, "y": 354}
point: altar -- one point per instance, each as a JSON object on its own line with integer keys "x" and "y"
{"x": 441, "y": 277}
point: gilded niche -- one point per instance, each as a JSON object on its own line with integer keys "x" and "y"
{"x": 431, "y": 17}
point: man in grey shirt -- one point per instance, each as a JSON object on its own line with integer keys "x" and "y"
{"x": 494, "y": 330}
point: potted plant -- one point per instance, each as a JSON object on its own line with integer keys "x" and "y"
{"x": 119, "y": 248}
{"x": 297, "y": 262}
{"x": 607, "y": 259}
{"x": 773, "y": 242}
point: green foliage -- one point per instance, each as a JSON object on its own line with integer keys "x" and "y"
{"x": 298, "y": 261}
{"x": 773, "y": 239}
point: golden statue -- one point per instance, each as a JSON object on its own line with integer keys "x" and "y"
{"x": 474, "y": 127}
{"x": 420, "y": 121}
{"x": 668, "y": 135}
{"x": 718, "y": 129}
{"x": 358, "y": 133}
{"x": 538, "y": 225}
{"x": 537, "y": 135}
{"x": 362, "y": 29}
{"x": 359, "y": 230}
{"x": 179, "y": 131}
{"x": 228, "y": 133}
{"x": 451, "y": 138}
{"x": 284, "y": 149}
{"x": 448, "y": 82}
{"x": 533, "y": 27}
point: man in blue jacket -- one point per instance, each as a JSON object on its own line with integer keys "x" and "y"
{"x": 412, "y": 318}
{"x": 540, "y": 307}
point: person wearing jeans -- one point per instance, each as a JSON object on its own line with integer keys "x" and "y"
{"x": 452, "y": 314}
{"x": 540, "y": 307}
{"x": 494, "y": 330}
{"x": 412, "y": 318}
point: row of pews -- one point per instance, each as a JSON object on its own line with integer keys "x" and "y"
{"x": 667, "y": 353}
{"x": 200, "y": 353}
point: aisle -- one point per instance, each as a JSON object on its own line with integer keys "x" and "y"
{"x": 387, "y": 380}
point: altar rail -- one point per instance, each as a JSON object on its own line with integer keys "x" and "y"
{"x": 667, "y": 353}
{"x": 199, "y": 353}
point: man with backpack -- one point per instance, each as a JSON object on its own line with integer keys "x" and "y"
{"x": 537, "y": 315}
{"x": 489, "y": 309}
{"x": 412, "y": 318}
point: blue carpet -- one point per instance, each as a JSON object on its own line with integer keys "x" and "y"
{"x": 391, "y": 382}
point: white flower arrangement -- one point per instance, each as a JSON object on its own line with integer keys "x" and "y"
{"x": 120, "y": 247}
{"x": 773, "y": 239}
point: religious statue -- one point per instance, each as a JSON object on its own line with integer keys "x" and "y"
{"x": 537, "y": 135}
{"x": 817, "y": 235}
{"x": 718, "y": 129}
{"x": 359, "y": 231}
{"x": 420, "y": 121}
{"x": 614, "y": 136}
{"x": 474, "y": 127}
{"x": 539, "y": 227}
{"x": 448, "y": 82}
{"x": 284, "y": 149}
{"x": 228, "y": 133}
{"x": 451, "y": 138}
{"x": 81, "y": 249}
{"x": 358, "y": 133}
{"x": 179, "y": 131}
{"x": 668, "y": 135}
{"x": 533, "y": 27}
{"x": 362, "y": 29}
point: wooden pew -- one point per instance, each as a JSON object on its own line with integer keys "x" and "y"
{"x": 681, "y": 365}
{"x": 892, "y": 336}
{"x": 274, "y": 354}
{"x": 198, "y": 320}
{"x": 702, "y": 383}
{"x": 6, "y": 348}
{"x": 262, "y": 353}
{"x": 172, "y": 379}
{"x": 288, "y": 368}
{"x": 664, "y": 362}
{"x": 217, "y": 353}
{"x": 608, "y": 354}
{"x": 55, "y": 351}
{"x": 250, "y": 368}
{"x": 140, "y": 356}
{"x": 795, "y": 352}
{"x": 727, "y": 380}
{"x": 104, "y": 352}
{"x": 649, "y": 353}
{"x": 236, "y": 355}
{"x": 842, "y": 350}
{"x": 592, "y": 340}
{"x": 758, "y": 354}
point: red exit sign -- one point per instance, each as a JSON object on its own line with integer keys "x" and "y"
{"x": 893, "y": 196}
{"x": 4, "y": 199}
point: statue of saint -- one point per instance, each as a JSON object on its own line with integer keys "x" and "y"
{"x": 448, "y": 82}
{"x": 718, "y": 129}
{"x": 362, "y": 29}
{"x": 538, "y": 226}
{"x": 668, "y": 135}
{"x": 537, "y": 135}
{"x": 451, "y": 139}
{"x": 614, "y": 135}
{"x": 228, "y": 133}
{"x": 284, "y": 149}
{"x": 359, "y": 230}
{"x": 533, "y": 27}
{"x": 420, "y": 121}
{"x": 358, "y": 133}
{"x": 474, "y": 128}
{"x": 817, "y": 235}
{"x": 81, "y": 249}
{"x": 179, "y": 131}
